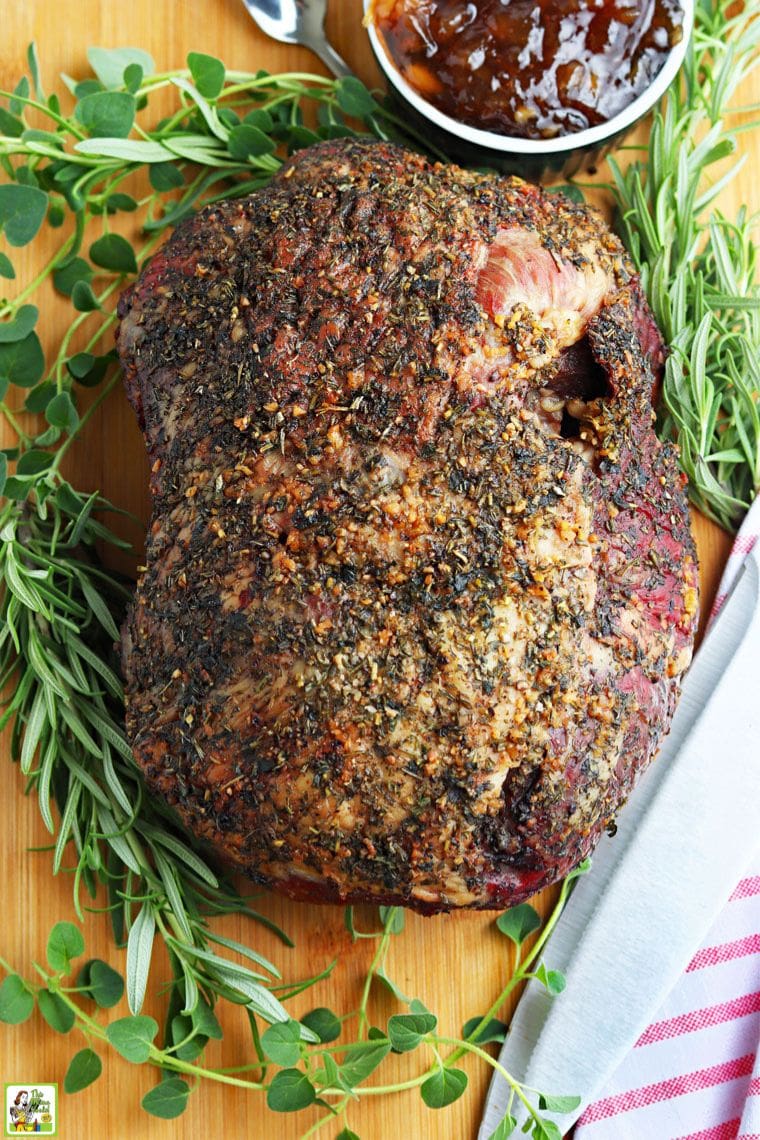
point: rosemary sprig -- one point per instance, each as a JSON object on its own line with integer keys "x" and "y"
{"x": 699, "y": 268}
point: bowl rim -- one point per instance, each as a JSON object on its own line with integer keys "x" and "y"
{"x": 512, "y": 144}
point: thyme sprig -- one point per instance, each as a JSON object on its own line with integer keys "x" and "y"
{"x": 699, "y": 268}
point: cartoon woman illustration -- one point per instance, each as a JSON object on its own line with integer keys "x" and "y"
{"x": 21, "y": 1116}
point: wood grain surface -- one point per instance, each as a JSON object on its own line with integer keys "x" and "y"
{"x": 456, "y": 964}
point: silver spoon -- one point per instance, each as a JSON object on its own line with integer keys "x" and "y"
{"x": 298, "y": 22}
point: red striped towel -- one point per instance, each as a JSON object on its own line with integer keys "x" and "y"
{"x": 694, "y": 1074}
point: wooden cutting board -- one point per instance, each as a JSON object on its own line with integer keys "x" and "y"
{"x": 456, "y": 964}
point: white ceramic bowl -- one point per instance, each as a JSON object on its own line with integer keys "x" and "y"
{"x": 533, "y": 158}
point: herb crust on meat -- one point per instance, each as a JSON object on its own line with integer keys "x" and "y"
{"x": 419, "y": 584}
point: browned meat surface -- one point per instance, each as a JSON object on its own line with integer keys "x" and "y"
{"x": 419, "y": 581}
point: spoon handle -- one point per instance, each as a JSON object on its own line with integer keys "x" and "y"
{"x": 329, "y": 56}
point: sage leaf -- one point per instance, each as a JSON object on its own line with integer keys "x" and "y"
{"x": 130, "y": 150}
{"x": 139, "y": 951}
{"x": 84, "y": 1068}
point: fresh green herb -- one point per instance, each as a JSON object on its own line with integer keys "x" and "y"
{"x": 309, "y": 1071}
{"x": 699, "y": 268}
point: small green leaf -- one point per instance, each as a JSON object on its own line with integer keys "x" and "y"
{"x": 22, "y": 212}
{"x": 519, "y": 922}
{"x": 21, "y": 325}
{"x": 493, "y": 1030}
{"x": 16, "y": 1000}
{"x": 165, "y": 176}
{"x": 574, "y": 193}
{"x": 360, "y": 1062}
{"x": 35, "y": 462}
{"x": 444, "y": 1087}
{"x": 354, "y": 98}
{"x": 109, "y": 64}
{"x": 504, "y": 1128}
{"x": 130, "y": 150}
{"x": 87, "y": 369}
{"x": 3, "y": 470}
{"x": 121, "y": 202}
{"x": 549, "y": 1103}
{"x": 324, "y": 1023}
{"x": 83, "y": 298}
{"x": 34, "y": 71}
{"x": 107, "y": 114}
{"x": 22, "y": 90}
{"x": 65, "y": 941}
{"x": 39, "y": 397}
{"x": 6, "y": 267}
{"x": 392, "y": 918}
{"x": 133, "y": 77}
{"x": 67, "y": 276}
{"x": 260, "y": 118}
{"x": 57, "y": 1014}
{"x": 139, "y": 951}
{"x": 396, "y": 990}
{"x": 61, "y": 412}
{"x": 104, "y": 984}
{"x": 281, "y": 1043}
{"x": 84, "y": 1068}
{"x": 546, "y": 1130}
{"x": 207, "y": 72}
{"x": 114, "y": 252}
{"x": 554, "y": 980}
{"x": 406, "y": 1030}
{"x": 290, "y": 1091}
{"x": 168, "y": 1099}
{"x": 22, "y": 362}
{"x": 346, "y": 1134}
{"x": 11, "y": 125}
{"x": 132, "y": 1037}
{"x": 247, "y": 141}
{"x": 205, "y": 1021}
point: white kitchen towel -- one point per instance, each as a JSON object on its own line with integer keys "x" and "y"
{"x": 694, "y": 1074}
